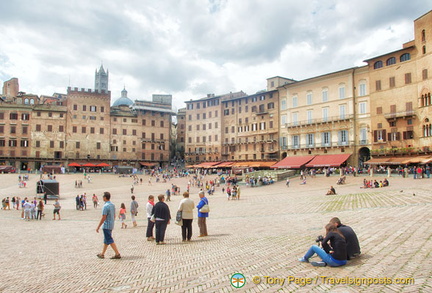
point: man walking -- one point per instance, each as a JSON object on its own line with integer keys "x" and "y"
{"x": 107, "y": 220}
{"x": 202, "y": 215}
{"x": 133, "y": 210}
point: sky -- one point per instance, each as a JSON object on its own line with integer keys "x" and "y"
{"x": 191, "y": 48}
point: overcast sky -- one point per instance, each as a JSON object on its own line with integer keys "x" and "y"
{"x": 189, "y": 48}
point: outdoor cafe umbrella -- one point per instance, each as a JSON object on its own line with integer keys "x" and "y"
{"x": 74, "y": 165}
{"x": 102, "y": 165}
{"x": 89, "y": 165}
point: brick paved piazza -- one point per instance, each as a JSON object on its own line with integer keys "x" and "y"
{"x": 263, "y": 234}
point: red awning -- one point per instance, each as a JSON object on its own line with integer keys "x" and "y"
{"x": 399, "y": 160}
{"x": 73, "y": 164}
{"x": 378, "y": 161}
{"x": 294, "y": 162}
{"x": 89, "y": 165}
{"x": 147, "y": 164}
{"x": 328, "y": 160}
{"x": 242, "y": 164}
{"x": 224, "y": 165}
{"x": 103, "y": 165}
{"x": 206, "y": 165}
{"x": 260, "y": 164}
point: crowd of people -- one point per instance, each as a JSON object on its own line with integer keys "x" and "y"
{"x": 31, "y": 209}
{"x": 258, "y": 180}
{"x": 374, "y": 183}
{"x": 339, "y": 244}
{"x": 158, "y": 216}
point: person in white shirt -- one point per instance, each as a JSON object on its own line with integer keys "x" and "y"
{"x": 186, "y": 207}
{"x": 150, "y": 224}
{"x": 27, "y": 210}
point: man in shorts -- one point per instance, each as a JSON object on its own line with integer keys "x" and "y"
{"x": 57, "y": 208}
{"x": 107, "y": 220}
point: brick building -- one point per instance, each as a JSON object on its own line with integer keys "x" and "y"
{"x": 81, "y": 126}
{"x": 400, "y": 87}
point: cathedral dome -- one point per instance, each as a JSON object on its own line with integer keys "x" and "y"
{"x": 123, "y": 100}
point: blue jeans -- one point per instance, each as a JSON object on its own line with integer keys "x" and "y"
{"x": 160, "y": 230}
{"x": 327, "y": 258}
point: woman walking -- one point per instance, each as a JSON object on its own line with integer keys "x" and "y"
{"x": 40, "y": 208}
{"x": 162, "y": 217}
{"x": 186, "y": 207}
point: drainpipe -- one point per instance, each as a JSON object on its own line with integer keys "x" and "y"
{"x": 356, "y": 158}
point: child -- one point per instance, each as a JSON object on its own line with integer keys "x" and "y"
{"x": 122, "y": 215}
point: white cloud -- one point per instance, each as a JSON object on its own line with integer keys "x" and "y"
{"x": 195, "y": 47}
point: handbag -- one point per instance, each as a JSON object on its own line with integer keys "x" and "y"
{"x": 180, "y": 223}
{"x": 205, "y": 209}
{"x": 152, "y": 218}
{"x": 179, "y": 216}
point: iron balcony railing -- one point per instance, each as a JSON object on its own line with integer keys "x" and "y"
{"x": 320, "y": 120}
{"x": 399, "y": 114}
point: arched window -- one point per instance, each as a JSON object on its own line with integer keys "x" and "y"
{"x": 391, "y": 61}
{"x": 423, "y": 35}
{"x": 425, "y": 100}
{"x": 405, "y": 57}
{"x": 427, "y": 128}
{"x": 424, "y": 49}
{"x": 26, "y": 101}
{"x": 31, "y": 102}
{"x": 378, "y": 64}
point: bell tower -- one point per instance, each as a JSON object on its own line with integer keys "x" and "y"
{"x": 101, "y": 80}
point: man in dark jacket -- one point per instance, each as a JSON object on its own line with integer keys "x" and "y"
{"x": 162, "y": 216}
{"x": 353, "y": 246}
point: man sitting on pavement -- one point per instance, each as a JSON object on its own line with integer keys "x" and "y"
{"x": 353, "y": 246}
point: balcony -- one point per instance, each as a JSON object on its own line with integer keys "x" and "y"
{"x": 319, "y": 145}
{"x": 153, "y": 140}
{"x": 396, "y": 115}
{"x": 332, "y": 119}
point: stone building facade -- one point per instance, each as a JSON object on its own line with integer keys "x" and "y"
{"x": 250, "y": 127}
{"x": 204, "y": 121}
{"x": 88, "y": 124}
{"x": 81, "y": 126}
{"x": 327, "y": 114}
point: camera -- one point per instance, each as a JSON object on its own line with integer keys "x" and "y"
{"x": 319, "y": 239}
